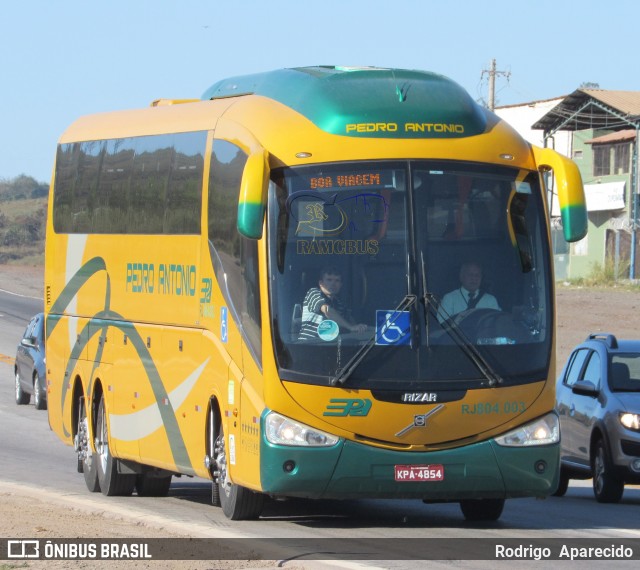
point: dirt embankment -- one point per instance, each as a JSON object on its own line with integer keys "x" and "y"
{"x": 581, "y": 311}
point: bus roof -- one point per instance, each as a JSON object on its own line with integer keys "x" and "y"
{"x": 393, "y": 113}
{"x": 369, "y": 101}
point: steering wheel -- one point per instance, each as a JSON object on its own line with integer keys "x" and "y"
{"x": 477, "y": 323}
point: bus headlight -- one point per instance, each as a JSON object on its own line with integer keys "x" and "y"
{"x": 630, "y": 421}
{"x": 543, "y": 431}
{"x": 284, "y": 431}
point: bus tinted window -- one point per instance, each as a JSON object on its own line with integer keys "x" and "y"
{"x": 235, "y": 257}
{"x": 140, "y": 185}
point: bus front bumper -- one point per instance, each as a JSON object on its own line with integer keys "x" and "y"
{"x": 355, "y": 470}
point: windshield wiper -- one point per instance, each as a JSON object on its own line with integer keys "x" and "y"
{"x": 462, "y": 340}
{"x": 342, "y": 374}
{"x": 431, "y": 303}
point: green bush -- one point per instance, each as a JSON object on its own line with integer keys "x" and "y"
{"x": 23, "y": 213}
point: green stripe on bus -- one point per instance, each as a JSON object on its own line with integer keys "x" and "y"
{"x": 367, "y": 102}
{"x": 574, "y": 222}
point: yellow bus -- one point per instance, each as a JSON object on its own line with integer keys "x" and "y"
{"x": 187, "y": 249}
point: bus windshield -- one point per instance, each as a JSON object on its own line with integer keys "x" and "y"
{"x": 371, "y": 267}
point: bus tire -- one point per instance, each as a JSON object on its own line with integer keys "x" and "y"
{"x": 482, "y": 509}
{"x": 237, "y": 502}
{"x": 212, "y": 429}
{"x": 111, "y": 482}
{"x": 563, "y": 484}
{"x": 149, "y": 486}
{"x": 87, "y": 459}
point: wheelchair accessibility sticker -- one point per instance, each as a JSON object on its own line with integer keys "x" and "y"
{"x": 224, "y": 324}
{"x": 393, "y": 328}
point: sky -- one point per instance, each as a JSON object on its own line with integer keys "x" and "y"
{"x": 61, "y": 59}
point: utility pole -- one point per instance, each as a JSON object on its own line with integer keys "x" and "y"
{"x": 492, "y": 82}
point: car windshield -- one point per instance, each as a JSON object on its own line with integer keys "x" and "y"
{"x": 624, "y": 373}
{"x": 402, "y": 244}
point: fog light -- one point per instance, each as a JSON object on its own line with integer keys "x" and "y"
{"x": 635, "y": 465}
{"x": 288, "y": 466}
{"x": 540, "y": 466}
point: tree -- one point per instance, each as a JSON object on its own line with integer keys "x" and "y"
{"x": 21, "y": 188}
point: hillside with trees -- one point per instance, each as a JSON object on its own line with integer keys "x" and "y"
{"x": 23, "y": 211}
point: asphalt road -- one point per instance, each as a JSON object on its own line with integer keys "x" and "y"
{"x": 33, "y": 457}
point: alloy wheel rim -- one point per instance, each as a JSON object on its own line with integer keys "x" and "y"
{"x": 36, "y": 391}
{"x": 102, "y": 449}
{"x": 221, "y": 465}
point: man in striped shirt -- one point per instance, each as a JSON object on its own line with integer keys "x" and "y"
{"x": 323, "y": 303}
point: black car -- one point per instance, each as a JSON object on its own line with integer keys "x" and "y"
{"x": 598, "y": 401}
{"x": 30, "y": 365}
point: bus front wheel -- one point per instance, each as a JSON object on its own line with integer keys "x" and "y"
{"x": 238, "y": 503}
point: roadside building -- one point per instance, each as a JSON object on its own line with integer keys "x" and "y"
{"x": 599, "y": 130}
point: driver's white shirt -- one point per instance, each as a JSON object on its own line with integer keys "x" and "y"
{"x": 456, "y": 301}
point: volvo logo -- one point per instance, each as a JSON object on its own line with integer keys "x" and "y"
{"x": 420, "y": 420}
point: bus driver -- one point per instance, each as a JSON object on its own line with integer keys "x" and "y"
{"x": 468, "y": 296}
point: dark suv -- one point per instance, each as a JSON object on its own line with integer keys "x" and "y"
{"x": 29, "y": 369}
{"x": 598, "y": 401}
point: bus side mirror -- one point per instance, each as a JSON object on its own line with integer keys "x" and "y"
{"x": 252, "y": 201}
{"x": 573, "y": 207}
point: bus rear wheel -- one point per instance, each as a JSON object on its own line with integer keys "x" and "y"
{"x": 238, "y": 503}
{"x": 111, "y": 482}
{"x": 87, "y": 459}
{"x": 482, "y": 509}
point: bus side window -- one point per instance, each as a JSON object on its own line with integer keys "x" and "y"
{"x": 237, "y": 270}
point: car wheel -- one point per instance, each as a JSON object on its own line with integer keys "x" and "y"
{"x": 39, "y": 397}
{"x": 482, "y": 509}
{"x": 22, "y": 397}
{"x": 111, "y": 482}
{"x": 563, "y": 484}
{"x": 608, "y": 486}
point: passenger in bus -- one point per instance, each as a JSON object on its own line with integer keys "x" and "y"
{"x": 324, "y": 303}
{"x": 468, "y": 296}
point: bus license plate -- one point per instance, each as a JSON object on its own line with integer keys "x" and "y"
{"x": 408, "y": 473}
